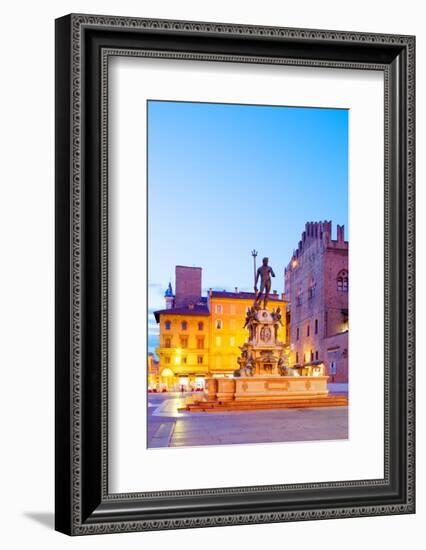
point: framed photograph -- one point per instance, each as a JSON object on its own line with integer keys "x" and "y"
{"x": 234, "y": 274}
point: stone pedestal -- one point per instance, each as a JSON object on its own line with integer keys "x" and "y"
{"x": 263, "y": 379}
{"x": 263, "y": 354}
{"x": 261, "y": 388}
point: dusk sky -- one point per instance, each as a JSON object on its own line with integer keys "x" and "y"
{"x": 224, "y": 179}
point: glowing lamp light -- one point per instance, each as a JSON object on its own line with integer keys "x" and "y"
{"x": 294, "y": 263}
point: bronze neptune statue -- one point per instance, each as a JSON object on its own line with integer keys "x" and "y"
{"x": 265, "y": 272}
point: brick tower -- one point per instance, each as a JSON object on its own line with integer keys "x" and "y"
{"x": 316, "y": 286}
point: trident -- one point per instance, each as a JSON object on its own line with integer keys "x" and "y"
{"x": 254, "y": 254}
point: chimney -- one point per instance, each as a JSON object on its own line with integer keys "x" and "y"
{"x": 236, "y": 290}
{"x": 188, "y": 285}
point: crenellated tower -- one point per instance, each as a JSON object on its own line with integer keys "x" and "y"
{"x": 316, "y": 285}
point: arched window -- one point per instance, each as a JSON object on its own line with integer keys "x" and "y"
{"x": 168, "y": 325}
{"x": 343, "y": 281}
{"x": 218, "y": 324}
{"x": 184, "y": 325}
{"x": 312, "y": 288}
{"x": 201, "y": 325}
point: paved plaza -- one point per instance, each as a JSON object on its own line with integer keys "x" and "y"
{"x": 168, "y": 427}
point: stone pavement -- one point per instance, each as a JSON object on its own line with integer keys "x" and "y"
{"x": 169, "y": 428}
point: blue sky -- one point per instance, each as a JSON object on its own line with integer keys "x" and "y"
{"x": 224, "y": 179}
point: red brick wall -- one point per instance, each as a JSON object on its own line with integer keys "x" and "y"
{"x": 336, "y": 349}
{"x": 318, "y": 259}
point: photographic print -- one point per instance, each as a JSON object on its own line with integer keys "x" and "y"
{"x": 248, "y": 275}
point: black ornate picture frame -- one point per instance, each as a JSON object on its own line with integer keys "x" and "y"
{"x": 84, "y": 44}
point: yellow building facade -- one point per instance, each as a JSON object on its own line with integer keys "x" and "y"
{"x": 184, "y": 350}
{"x": 227, "y": 333}
{"x": 203, "y": 339}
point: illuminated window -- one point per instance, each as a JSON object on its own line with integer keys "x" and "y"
{"x": 200, "y": 343}
{"x": 167, "y": 342}
{"x": 219, "y": 308}
{"x": 218, "y": 341}
{"x": 167, "y": 372}
{"x": 167, "y": 325}
{"x": 201, "y": 325}
{"x": 218, "y": 324}
{"x": 184, "y": 342}
{"x": 184, "y": 325}
{"x": 232, "y": 341}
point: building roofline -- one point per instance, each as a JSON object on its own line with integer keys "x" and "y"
{"x": 182, "y": 311}
{"x": 243, "y": 296}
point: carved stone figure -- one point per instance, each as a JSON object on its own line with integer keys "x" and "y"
{"x": 246, "y": 363}
{"x": 266, "y": 334}
{"x": 282, "y": 367}
{"x": 276, "y": 316}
